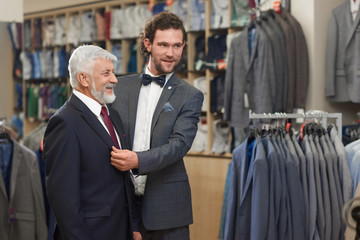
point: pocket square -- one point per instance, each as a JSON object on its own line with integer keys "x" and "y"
{"x": 168, "y": 107}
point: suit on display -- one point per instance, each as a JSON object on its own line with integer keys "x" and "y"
{"x": 342, "y": 34}
{"x": 250, "y": 78}
{"x": 90, "y": 198}
{"x": 247, "y": 212}
{"x": 25, "y": 199}
{"x": 352, "y": 61}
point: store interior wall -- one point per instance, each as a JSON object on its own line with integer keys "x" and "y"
{"x": 313, "y": 16}
{"x": 7, "y": 88}
{"x": 11, "y": 11}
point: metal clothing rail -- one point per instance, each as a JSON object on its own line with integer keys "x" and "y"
{"x": 322, "y": 116}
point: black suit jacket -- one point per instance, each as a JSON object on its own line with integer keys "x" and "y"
{"x": 90, "y": 198}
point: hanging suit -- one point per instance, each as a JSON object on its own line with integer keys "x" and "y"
{"x": 26, "y": 198}
{"x": 301, "y": 61}
{"x": 352, "y": 61}
{"x": 341, "y": 28}
{"x": 251, "y": 204}
{"x": 250, "y": 72}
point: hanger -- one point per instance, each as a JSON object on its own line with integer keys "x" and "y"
{"x": 4, "y": 135}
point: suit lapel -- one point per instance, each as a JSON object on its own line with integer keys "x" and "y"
{"x": 250, "y": 58}
{"x": 91, "y": 120}
{"x": 352, "y": 25}
{"x": 169, "y": 88}
{"x": 245, "y": 48}
{"x": 249, "y": 176}
{"x": 119, "y": 128}
{"x": 17, "y": 156}
{"x": 2, "y": 186}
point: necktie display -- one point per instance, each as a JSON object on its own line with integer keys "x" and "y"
{"x": 147, "y": 79}
{"x": 109, "y": 126}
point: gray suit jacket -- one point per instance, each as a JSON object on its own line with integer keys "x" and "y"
{"x": 335, "y": 210}
{"x": 280, "y": 64}
{"x": 289, "y": 35}
{"x": 304, "y": 180}
{"x": 313, "y": 209}
{"x": 283, "y": 212}
{"x": 274, "y": 189}
{"x": 296, "y": 195}
{"x": 344, "y": 171}
{"x": 320, "y": 217}
{"x": 167, "y": 198}
{"x": 352, "y": 61}
{"x": 250, "y": 73}
{"x": 301, "y": 61}
{"x": 26, "y": 198}
{"x": 325, "y": 189}
{"x": 340, "y": 30}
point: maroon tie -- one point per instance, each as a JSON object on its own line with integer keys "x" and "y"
{"x": 109, "y": 126}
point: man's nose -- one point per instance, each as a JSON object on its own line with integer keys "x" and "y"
{"x": 113, "y": 78}
{"x": 170, "y": 51}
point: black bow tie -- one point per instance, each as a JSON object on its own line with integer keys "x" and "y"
{"x": 146, "y": 79}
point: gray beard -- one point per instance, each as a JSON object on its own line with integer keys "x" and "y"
{"x": 101, "y": 96}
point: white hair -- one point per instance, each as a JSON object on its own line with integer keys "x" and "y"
{"x": 82, "y": 60}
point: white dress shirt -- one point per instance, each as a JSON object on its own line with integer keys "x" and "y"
{"x": 148, "y": 98}
{"x": 354, "y": 7}
{"x": 95, "y": 107}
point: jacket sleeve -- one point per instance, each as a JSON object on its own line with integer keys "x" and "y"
{"x": 331, "y": 57}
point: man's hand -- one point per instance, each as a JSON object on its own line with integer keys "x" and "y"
{"x": 124, "y": 160}
{"x": 137, "y": 236}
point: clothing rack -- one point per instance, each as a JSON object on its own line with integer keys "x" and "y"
{"x": 323, "y": 116}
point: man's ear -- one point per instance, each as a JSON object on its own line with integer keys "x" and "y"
{"x": 147, "y": 44}
{"x": 83, "y": 79}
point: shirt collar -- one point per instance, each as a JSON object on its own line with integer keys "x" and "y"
{"x": 93, "y": 105}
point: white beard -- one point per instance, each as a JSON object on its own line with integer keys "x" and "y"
{"x": 101, "y": 96}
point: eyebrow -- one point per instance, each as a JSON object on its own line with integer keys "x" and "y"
{"x": 180, "y": 43}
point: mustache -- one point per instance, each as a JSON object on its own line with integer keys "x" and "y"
{"x": 109, "y": 85}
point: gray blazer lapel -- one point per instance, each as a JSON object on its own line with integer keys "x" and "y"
{"x": 17, "y": 155}
{"x": 169, "y": 88}
{"x": 245, "y": 47}
{"x": 253, "y": 51}
{"x": 352, "y": 25}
